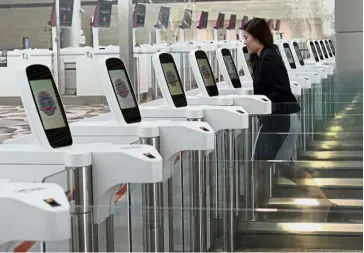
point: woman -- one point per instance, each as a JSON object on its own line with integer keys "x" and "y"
{"x": 278, "y": 134}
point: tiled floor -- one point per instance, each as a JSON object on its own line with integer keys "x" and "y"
{"x": 13, "y": 121}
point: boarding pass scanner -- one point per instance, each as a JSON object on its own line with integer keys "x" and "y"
{"x": 232, "y": 81}
{"x": 33, "y": 212}
{"x": 52, "y": 152}
{"x": 207, "y": 88}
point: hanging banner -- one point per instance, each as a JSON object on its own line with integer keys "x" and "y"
{"x": 65, "y": 13}
{"x": 102, "y": 16}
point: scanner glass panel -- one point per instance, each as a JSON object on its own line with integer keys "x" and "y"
{"x": 207, "y": 75}
{"x": 47, "y": 104}
{"x": 122, "y": 89}
{"x": 171, "y": 75}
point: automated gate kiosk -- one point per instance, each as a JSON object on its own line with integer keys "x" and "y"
{"x": 32, "y": 212}
{"x": 232, "y": 81}
{"x": 254, "y": 104}
{"x": 311, "y": 112}
{"x": 322, "y": 90}
{"x": 90, "y": 168}
{"x": 326, "y": 53}
{"x": 125, "y": 126}
{"x": 223, "y": 119}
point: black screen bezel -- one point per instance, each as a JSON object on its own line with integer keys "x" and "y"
{"x": 332, "y": 47}
{"x": 328, "y": 48}
{"x": 211, "y": 90}
{"x": 320, "y": 54}
{"x": 292, "y": 65}
{"x": 235, "y": 82}
{"x": 314, "y": 51}
{"x": 178, "y": 100}
{"x": 322, "y": 44}
{"x": 298, "y": 53}
{"x": 57, "y": 137}
{"x": 131, "y": 115}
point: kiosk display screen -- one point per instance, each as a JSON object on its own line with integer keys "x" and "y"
{"x": 289, "y": 55}
{"x": 203, "y": 20}
{"x": 243, "y": 22}
{"x": 324, "y": 49}
{"x": 105, "y": 10}
{"x": 171, "y": 75}
{"x": 122, "y": 89}
{"x": 232, "y": 22}
{"x": 328, "y": 48}
{"x": 230, "y": 66}
{"x": 187, "y": 19}
{"x": 231, "y": 69}
{"x": 314, "y": 52}
{"x": 298, "y": 53}
{"x": 163, "y": 19}
{"x": 220, "y": 21}
{"x": 172, "y": 79}
{"x": 139, "y": 15}
{"x": 47, "y": 104}
{"x": 206, "y": 73}
{"x": 332, "y": 47}
{"x": 66, "y": 12}
{"x": 319, "y": 50}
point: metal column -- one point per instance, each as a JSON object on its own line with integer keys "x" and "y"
{"x": 153, "y": 211}
{"x": 229, "y": 195}
{"x": 80, "y": 180}
{"x": 198, "y": 200}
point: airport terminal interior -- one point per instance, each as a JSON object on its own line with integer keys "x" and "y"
{"x": 95, "y": 95}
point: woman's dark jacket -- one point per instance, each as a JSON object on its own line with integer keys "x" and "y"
{"x": 271, "y": 79}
